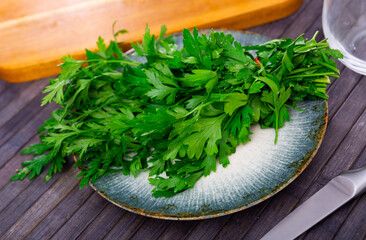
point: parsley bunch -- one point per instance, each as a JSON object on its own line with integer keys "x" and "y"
{"x": 177, "y": 114}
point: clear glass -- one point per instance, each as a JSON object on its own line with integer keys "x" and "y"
{"x": 344, "y": 24}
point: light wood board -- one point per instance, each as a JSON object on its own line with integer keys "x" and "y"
{"x": 34, "y": 35}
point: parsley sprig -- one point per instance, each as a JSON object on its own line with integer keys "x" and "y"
{"x": 178, "y": 114}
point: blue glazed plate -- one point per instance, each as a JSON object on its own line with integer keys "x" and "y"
{"x": 257, "y": 171}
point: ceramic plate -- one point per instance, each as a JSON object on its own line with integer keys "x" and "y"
{"x": 257, "y": 170}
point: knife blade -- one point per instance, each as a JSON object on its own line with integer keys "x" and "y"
{"x": 337, "y": 192}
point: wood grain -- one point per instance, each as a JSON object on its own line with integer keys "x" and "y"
{"x": 39, "y": 210}
{"x": 59, "y": 215}
{"x": 81, "y": 218}
{"x": 16, "y": 104}
{"x": 3, "y": 86}
{"x": 348, "y": 230}
{"x": 268, "y": 29}
{"x": 35, "y": 35}
{"x": 21, "y": 118}
{"x": 126, "y": 227}
{"x": 342, "y": 159}
{"x": 205, "y": 229}
{"x": 9, "y": 92}
{"x": 20, "y": 138}
{"x": 178, "y": 230}
{"x": 307, "y": 8}
{"x": 107, "y": 218}
{"x": 29, "y": 209}
{"x": 25, "y": 200}
{"x": 151, "y": 229}
{"x": 338, "y": 127}
{"x": 13, "y": 164}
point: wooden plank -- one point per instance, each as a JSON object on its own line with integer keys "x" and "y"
{"x": 328, "y": 230}
{"x": 341, "y": 160}
{"x": 126, "y": 227}
{"x": 20, "y": 101}
{"x": 341, "y": 89}
{"x": 9, "y": 190}
{"x": 349, "y": 87}
{"x": 353, "y": 226}
{"x": 17, "y": 141}
{"x": 337, "y": 95}
{"x": 276, "y": 29}
{"x": 81, "y": 218}
{"x": 19, "y": 9}
{"x": 349, "y": 230}
{"x": 3, "y": 85}
{"x": 101, "y": 214}
{"x": 315, "y": 26}
{"x": 171, "y": 230}
{"x": 25, "y": 200}
{"x": 207, "y": 229}
{"x": 231, "y": 230}
{"x": 58, "y": 216}
{"x": 9, "y": 169}
{"x": 20, "y": 119}
{"x": 103, "y": 223}
{"x": 151, "y": 229}
{"x": 13, "y": 190}
{"x": 178, "y": 230}
{"x": 338, "y": 128}
{"x": 60, "y": 30}
{"x": 9, "y": 93}
{"x": 174, "y": 227}
{"x": 275, "y": 33}
{"x": 241, "y": 222}
{"x": 40, "y": 209}
{"x": 308, "y": 16}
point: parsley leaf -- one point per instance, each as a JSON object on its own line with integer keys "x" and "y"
{"x": 178, "y": 114}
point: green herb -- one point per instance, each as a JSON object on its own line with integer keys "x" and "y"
{"x": 178, "y": 114}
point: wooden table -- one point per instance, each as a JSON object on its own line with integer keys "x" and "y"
{"x": 59, "y": 210}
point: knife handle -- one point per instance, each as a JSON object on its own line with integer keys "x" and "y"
{"x": 356, "y": 178}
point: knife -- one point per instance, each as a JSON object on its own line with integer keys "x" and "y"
{"x": 337, "y": 192}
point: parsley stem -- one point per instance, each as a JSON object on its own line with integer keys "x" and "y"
{"x": 331, "y": 74}
{"x": 179, "y": 110}
{"x": 322, "y": 80}
{"x": 329, "y": 66}
{"x": 315, "y": 34}
{"x": 198, "y": 108}
{"x": 129, "y": 58}
{"x": 306, "y": 69}
{"x": 311, "y": 47}
{"x": 114, "y": 61}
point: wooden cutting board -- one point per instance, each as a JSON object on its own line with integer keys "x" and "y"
{"x": 35, "y": 34}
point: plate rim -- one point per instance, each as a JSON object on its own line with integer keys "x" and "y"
{"x": 304, "y": 163}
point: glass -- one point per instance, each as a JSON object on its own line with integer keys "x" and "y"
{"x": 344, "y": 24}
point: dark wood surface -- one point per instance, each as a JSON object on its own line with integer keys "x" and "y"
{"x": 59, "y": 210}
